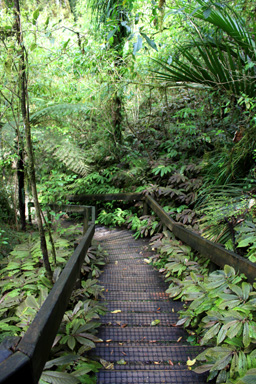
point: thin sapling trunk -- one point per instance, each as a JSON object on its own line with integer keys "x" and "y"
{"x": 29, "y": 147}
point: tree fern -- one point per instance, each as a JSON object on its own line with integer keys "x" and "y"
{"x": 62, "y": 148}
{"x": 59, "y": 112}
{"x": 66, "y": 151}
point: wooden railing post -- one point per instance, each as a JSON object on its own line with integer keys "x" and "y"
{"x": 145, "y": 208}
{"x": 93, "y": 217}
{"x": 86, "y": 220}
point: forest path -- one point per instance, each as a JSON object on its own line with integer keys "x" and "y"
{"x": 136, "y": 351}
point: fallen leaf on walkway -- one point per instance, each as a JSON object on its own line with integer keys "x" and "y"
{"x": 108, "y": 341}
{"x": 147, "y": 261}
{"x": 191, "y": 362}
{"x": 152, "y": 341}
{"x": 123, "y": 353}
{"x": 179, "y": 339}
{"x": 106, "y": 364}
{"x": 156, "y": 362}
{"x": 155, "y": 322}
{"x": 116, "y": 311}
{"x": 124, "y": 325}
{"x": 170, "y": 362}
{"x": 121, "y": 362}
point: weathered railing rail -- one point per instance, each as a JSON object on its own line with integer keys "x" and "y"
{"x": 215, "y": 252}
{"x": 88, "y": 212}
{"x": 105, "y": 197}
{"x": 27, "y": 358}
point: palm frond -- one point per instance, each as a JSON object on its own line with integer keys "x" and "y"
{"x": 103, "y": 9}
{"x": 219, "y": 63}
{"x": 231, "y": 23}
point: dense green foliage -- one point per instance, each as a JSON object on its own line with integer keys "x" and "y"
{"x": 24, "y": 288}
{"x": 157, "y": 98}
{"x": 219, "y": 310}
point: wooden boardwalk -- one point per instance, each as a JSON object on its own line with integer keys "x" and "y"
{"x": 136, "y": 351}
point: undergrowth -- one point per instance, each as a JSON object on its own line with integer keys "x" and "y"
{"x": 25, "y": 287}
{"x": 219, "y": 310}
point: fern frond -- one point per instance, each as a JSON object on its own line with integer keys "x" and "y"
{"x": 58, "y": 112}
{"x": 61, "y": 148}
{"x": 67, "y": 152}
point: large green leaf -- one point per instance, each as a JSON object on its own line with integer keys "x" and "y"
{"x": 246, "y": 335}
{"x": 211, "y": 333}
{"x": 63, "y": 360}
{"x": 54, "y": 377}
{"x": 138, "y": 45}
{"x": 150, "y": 42}
{"x": 249, "y": 377}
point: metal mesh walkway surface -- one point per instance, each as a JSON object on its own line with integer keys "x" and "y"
{"x": 136, "y": 351}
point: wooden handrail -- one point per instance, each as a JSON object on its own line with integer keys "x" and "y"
{"x": 84, "y": 209}
{"x": 105, "y": 197}
{"x": 216, "y": 253}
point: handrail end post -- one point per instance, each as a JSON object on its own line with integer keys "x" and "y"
{"x": 145, "y": 207}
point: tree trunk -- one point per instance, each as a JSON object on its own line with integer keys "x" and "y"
{"x": 72, "y": 5}
{"x": 119, "y": 40}
{"x": 21, "y": 189}
{"x": 29, "y": 148}
{"x": 117, "y": 119}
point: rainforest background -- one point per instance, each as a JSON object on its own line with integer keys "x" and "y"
{"x": 156, "y": 97}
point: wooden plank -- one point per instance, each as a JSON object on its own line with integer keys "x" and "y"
{"x": 16, "y": 369}
{"x": 216, "y": 253}
{"x": 106, "y": 197}
{"x": 38, "y": 340}
{"x": 69, "y": 208}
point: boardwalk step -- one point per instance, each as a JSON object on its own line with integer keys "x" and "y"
{"x": 143, "y": 334}
{"x": 174, "y": 354}
{"x": 177, "y": 376}
{"x": 144, "y": 306}
{"x": 141, "y": 319}
{"x": 122, "y": 295}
